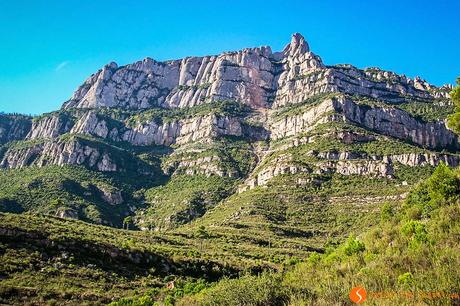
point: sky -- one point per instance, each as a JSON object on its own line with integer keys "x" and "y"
{"x": 48, "y": 48}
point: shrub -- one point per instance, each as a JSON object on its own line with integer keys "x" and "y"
{"x": 442, "y": 187}
{"x": 353, "y": 246}
{"x": 386, "y": 212}
{"x": 406, "y": 279}
{"x": 443, "y": 184}
{"x": 416, "y": 230}
{"x": 265, "y": 289}
{"x": 314, "y": 259}
{"x": 454, "y": 119}
{"x": 331, "y": 258}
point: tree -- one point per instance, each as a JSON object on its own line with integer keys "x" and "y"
{"x": 127, "y": 221}
{"x": 354, "y": 246}
{"x": 386, "y": 213}
{"x": 454, "y": 119}
{"x": 201, "y": 234}
{"x": 269, "y": 229}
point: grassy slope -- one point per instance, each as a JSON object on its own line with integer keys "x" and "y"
{"x": 270, "y": 226}
{"x": 413, "y": 247}
{"x": 51, "y": 259}
{"x": 46, "y": 190}
{"x": 413, "y": 250}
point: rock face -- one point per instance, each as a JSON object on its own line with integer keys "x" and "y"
{"x": 14, "y": 127}
{"x": 49, "y": 127}
{"x": 69, "y": 213}
{"x": 287, "y": 94}
{"x": 183, "y": 131}
{"x": 385, "y": 120}
{"x": 304, "y": 122}
{"x": 399, "y": 124}
{"x": 113, "y": 197}
{"x": 59, "y": 153}
{"x": 253, "y": 118}
{"x": 91, "y": 124}
{"x": 254, "y": 76}
{"x": 348, "y": 163}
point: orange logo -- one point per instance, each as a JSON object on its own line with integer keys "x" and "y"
{"x": 358, "y": 295}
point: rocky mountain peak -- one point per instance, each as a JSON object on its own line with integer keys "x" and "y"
{"x": 252, "y": 76}
{"x": 242, "y": 117}
{"x": 297, "y": 46}
{"x": 111, "y": 65}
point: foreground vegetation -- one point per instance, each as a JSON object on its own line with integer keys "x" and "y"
{"x": 411, "y": 253}
{"x": 411, "y": 256}
{"x": 303, "y": 238}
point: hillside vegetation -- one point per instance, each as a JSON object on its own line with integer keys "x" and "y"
{"x": 248, "y": 178}
{"x": 410, "y": 257}
{"x": 412, "y": 248}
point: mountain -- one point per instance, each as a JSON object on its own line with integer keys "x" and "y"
{"x": 168, "y": 141}
{"x": 408, "y": 256}
{"x": 220, "y": 165}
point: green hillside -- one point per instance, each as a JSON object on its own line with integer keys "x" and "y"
{"x": 412, "y": 246}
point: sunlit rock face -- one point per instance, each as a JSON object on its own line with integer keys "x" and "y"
{"x": 112, "y": 106}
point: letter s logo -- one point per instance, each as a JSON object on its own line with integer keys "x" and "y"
{"x": 358, "y": 295}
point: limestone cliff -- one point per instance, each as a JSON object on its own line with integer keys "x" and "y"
{"x": 254, "y": 76}
{"x": 248, "y": 117}
{"x": 267, "y": 82}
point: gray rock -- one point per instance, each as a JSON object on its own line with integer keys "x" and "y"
{"x": 64, "y": 212}
{"x": 111, "y": 196}
{"x": 265, "y": 81}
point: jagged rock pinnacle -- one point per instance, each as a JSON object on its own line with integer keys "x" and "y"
{"x": 297, "y": 46}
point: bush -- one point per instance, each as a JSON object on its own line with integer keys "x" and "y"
{"x": 406, "y": 279}
{"x": 265, "y": 289}
{"x": 314, "y": 259}
{"x": 353, "y": 246}
{"x": 386, "y": 212}
{"x": 416, "y": 230}
{"x": 442, "y": 187}
{"x": 141, "y": 301}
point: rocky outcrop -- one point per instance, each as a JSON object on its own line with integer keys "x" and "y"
{"x": 110, "y": 195}
{"x": 14, "y": 127}
{"x": 201, "y": 128}
{"x": 244, "y": 76}
{"x": 423, "y": 159}
{"x": 59, "y": 153}
{"x": 139, "y": 85}
{"x": 251, "y": 76}
{"x": 148, "y": 132}
{"x": 372, "y": 82}
{"x": 206, "y": 165}
{"x": 388, "y": 121}
{"x": 373, "y": 168}
{"x": 348, "y": 137}
{"x": 397, "y": 123}
{"x": 64, "y": 212}
{"x": 50, "y": 126}
{"x": 408, "y": 159}
{"x": 254, "y": 76}
{"x": 91, "y": 124}
{"x": 297, "y": 124}
{"x": 347, "y": 163}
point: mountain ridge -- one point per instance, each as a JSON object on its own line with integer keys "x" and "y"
{"x": 258, "y": 71}
{"x": 238, "y": 120}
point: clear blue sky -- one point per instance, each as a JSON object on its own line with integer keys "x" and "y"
{"x": 48, "y": 48}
